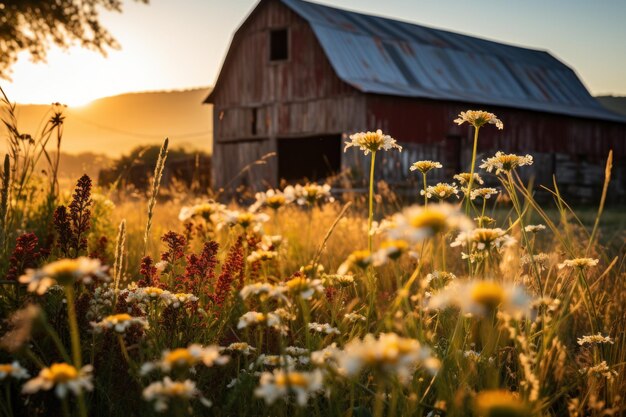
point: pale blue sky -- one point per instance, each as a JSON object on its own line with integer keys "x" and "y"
{"x": 181, "y": 44}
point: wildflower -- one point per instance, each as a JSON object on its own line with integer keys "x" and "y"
{"x": 416, "y": 223}
{"x": 354, "y": 317}
{"x": 162, "y": 392}
{"x": 63, "y": 378}
{"x": 305, "y": 287}
{"x": 484, "y": 220}
{"x": 541, "y": 260}
{"x": 273, "y": 199}
{"x": 484, "y": 193}
{"x": 264, "y": 289}
{"x": 188, "y": 357}
{"x": 13, "y": 370}
{"x": 502, "y": 162}
{"x": 271, "y": 242}
{"x": 372, "y": 142}
{"x": 231, "y": 269}
{"x": 204, "y": 211}
{"x": 472, "y": 355}
{"x": 439, "y": 279}
{"x": 425, "y": 166}
{"x": 284, "y": 314}
{"x": 242, "y": 347}
{"x": 600, "y": 370}
{"x": 119, "y": 322}
{"x": 478, "y": 297}
{"x": 309, "y": 194}
{"x": 161, "y": 266}
{"x": 378, "y": 228}
{"x": 178, "y": 299}
{"x": 280, "y": 383}
{"x": 311, "y": 270}
{"x": 483, "y": 239}
{"x": 360, "y": 258}
{"x": 580, "y": 263}
{"x": 21, "y": 325}
{"x": 326, "y": 356}
{"x": 478, "y": 118}
{"x": 390, "y": 249}
{"x": 296, "y": 351}
{"x": 64, "y": 272}
{"x": 464, "y": 177}
{"x": 441, "y": 191}
{"x": 390, "y": 354}
{"x": 283, "y": 361}
{"x": 534, "y": 228}
{"x": 495, "y": 403}
{"x": 594, "y": 339}
{"x": 252, "y": 317}
{"x": 24, "y": 255}
{"x": 323, "y": 328}
{"x": 244, "y": 219}
{"x": 261, "y": 255}
{"x": 338, "y": 280}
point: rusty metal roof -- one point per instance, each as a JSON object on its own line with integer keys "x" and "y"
{"x": 384, "y": 56}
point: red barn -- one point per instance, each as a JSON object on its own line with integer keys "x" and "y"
{"x": 299, "y": 76}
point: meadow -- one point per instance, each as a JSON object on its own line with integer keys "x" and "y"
{"x": 474, "y": 301}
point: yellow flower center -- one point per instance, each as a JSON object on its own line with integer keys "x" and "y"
{"x": 6, "y": 368}
{"x": 291, "y": 379}
{"x": 62, "y": 267}
{"x": 60, "y": 373}
{"x": 119, "y": 317}
{"x": 395, "y": 247}
{"x": 180, "y": 356}
{"x": 488, "y": 294}
{"x": 296, "y": 283}
{"x": 508, "y": 161}
{"x": 153, "y": 291}
{"x": 361, "y": 258}
{"x": 245, "y": 219}
{"x": 276, "y": 201}
{"x": 177, "y": 389}
{"x": 486, "y": 235}
{"x": 431, "y": 219}
{"x": 496, "y": 403}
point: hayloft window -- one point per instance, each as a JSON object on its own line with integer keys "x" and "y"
{"x": 279, "y": 45}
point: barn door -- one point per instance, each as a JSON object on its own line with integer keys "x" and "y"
{"x": 312, "y": 158}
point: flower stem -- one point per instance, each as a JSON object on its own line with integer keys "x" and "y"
{"x": 471, "y": 178}
{"x": 73, "y": 324}
{"x": 371, "y": 204}
{"x": 425, "y": 197}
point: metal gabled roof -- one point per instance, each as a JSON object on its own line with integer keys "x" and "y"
{"x": 384, "y": 56}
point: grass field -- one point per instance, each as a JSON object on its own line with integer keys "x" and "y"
{"x": 471, "y": 302}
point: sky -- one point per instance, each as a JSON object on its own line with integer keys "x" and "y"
{"x": 181, "y": 44}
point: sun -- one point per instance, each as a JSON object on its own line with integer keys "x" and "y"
{"x": 75, "y": 99}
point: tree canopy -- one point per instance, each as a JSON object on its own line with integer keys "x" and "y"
{"x": 36, "y": 25}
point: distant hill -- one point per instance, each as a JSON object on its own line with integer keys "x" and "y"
{"x": 614, "y": 103}
{"x": 114, "y": 125}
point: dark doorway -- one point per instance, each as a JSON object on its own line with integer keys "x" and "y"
{"x": 313, "y": 158}
{"x": 452, "y": 155}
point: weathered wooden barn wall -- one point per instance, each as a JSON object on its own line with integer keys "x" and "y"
{"x": 295, "y": 98}
{"x": 572, "y": 149}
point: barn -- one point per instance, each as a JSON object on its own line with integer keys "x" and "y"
{"x": 299, "y": 76}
